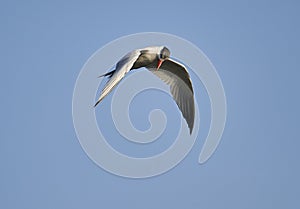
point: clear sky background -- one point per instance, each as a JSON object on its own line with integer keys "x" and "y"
{"x": 254, "y": 46}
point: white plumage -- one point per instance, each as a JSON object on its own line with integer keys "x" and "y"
{"x": 157, "y": 60}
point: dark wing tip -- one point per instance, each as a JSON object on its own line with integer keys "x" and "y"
{"x": 191, "y": 128}
{"x": 192, "y": 119}
{"x": 97, "y": 103}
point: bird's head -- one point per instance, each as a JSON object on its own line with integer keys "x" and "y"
{"x": 162, "y": 56}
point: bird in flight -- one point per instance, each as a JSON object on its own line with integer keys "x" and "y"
{"x": 157, "y": 60}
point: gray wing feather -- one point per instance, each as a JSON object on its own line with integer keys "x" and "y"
{"x": 176, "y": 76}
{"x": 122, "y": 67}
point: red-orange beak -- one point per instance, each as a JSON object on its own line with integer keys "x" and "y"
{"x": 159, "y": 63}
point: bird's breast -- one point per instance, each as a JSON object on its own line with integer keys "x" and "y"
{"x": 144, "y": 60}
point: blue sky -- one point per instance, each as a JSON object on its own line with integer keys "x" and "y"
{"x": 255, "y": 48}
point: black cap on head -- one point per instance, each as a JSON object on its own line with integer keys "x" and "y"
{"x": 164, "y": 53}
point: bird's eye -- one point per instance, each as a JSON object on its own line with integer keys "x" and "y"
{"x": 161, "y": 56}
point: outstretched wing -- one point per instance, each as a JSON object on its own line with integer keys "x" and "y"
{"x": 122, "y": 67}
{"x": 176, "y": 76}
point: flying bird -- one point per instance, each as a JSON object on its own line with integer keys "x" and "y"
{"x": 157, "y": 60}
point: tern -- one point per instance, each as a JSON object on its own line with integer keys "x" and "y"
{"x": 157, "y": 60}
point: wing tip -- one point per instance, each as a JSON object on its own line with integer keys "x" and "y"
{"x": 191, "y": 126}
{"x": 97, "y": 103}
{"x": 191, "y": 130}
